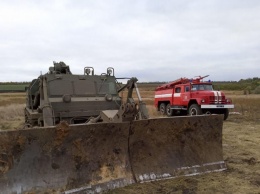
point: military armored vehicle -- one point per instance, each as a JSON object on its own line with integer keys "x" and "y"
{"x": 61, "y": 96}
{"x": 83, "y": 137}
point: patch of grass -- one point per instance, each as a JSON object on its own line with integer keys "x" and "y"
{"x": 11, "y": 116}
{"x": 12, "y": 111}
{"x": 13, "y": 87}
{"x": 5, "y": 126}
{"x": 11, "y": 98}
{"x": 153, "y": 113}
{"x": 248, "y": 107}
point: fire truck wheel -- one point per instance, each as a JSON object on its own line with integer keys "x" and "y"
{"x": 168, "y": 110}
{"x": 162, "y": 108}
{"x": 226, "y": 113}
{"x": 195, "y": 110}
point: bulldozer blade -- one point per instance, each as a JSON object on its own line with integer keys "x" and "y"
{"x": 178, "y": 146}
{"x": 98, "y": 157}
{"x": 65, "y": 159}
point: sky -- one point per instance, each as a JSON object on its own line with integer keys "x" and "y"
{"x": 148, "y": 39}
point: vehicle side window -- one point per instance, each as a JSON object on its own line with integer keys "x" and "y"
{"x": 178, "y": 90}
{"x": 187, "y": 88}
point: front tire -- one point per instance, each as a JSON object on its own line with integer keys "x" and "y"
{"x": 226, "y": 113}
{"x": 195, "y": 110}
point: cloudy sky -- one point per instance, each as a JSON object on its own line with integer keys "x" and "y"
{"x": 148, "y": 39}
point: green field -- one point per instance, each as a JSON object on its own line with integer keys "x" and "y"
{"x": 13, "y": 87}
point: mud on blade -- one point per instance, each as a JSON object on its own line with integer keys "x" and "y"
{"x": 171, "y": 147}
{"x": 90, "y": 157}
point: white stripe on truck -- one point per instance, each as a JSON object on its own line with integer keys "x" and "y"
{"x": 163, "y": 95}
{"x": 167, "y": 95}
{"x": 218, "y": 96}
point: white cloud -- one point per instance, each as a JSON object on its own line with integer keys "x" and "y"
{"x": 151, "y": 40}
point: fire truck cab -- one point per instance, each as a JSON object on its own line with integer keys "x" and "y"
{"x": 191, "y": 96}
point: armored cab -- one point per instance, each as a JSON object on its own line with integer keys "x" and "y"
{"x": 60, "y": 95}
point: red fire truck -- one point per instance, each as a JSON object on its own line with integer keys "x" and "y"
{"x": 191, "y": 96}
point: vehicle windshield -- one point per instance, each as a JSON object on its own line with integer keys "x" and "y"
{"x": 201, "y": 87}
{"x": 108, "y": 87}
{"x": 81, "y": 87}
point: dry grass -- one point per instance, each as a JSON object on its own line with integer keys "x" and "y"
{"x": 11, "y": 116}
{"x": 11, "y": 98}
{"x": 153, "y": 113}
{"x": 11, "y": 110}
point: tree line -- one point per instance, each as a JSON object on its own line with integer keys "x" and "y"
{"x": 250, "y": 85}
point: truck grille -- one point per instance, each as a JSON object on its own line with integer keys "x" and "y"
{"x": 217, "y": 100}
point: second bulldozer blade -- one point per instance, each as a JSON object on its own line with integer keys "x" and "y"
{"x": 178, "y": 146}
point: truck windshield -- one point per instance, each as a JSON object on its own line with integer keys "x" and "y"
{"x": 200, "y": 87}
{"x": 107, "y": 88}
{"x": 80, "y": 88}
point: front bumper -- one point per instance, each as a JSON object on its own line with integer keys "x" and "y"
{"x": 216, "y": 106}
